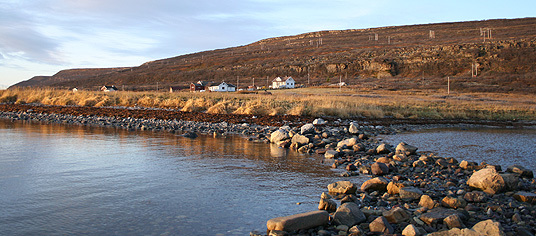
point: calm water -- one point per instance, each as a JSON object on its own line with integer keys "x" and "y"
{"x": 63, "y": 180}
{"x": 492, "y": 145}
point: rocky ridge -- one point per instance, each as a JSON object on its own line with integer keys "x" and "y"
{"x": 410, "y": 193}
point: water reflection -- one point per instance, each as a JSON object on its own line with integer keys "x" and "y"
{"x": 61, "y": 179}
{"x": 492, "y": 145}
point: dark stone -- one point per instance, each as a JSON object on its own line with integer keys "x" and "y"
{"x": 379, "y": 168}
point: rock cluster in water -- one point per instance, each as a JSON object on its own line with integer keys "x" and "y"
{"x": 408, "y": 193}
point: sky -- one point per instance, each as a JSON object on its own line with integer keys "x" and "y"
{"x": 42, "y": 37}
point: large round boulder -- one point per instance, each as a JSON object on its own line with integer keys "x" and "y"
{"x": 279, "y": 135}
{"x": 490, "y": 181}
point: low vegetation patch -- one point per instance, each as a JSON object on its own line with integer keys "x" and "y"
{"x": 343, "y": 103}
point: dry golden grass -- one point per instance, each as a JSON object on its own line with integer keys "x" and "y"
{"x": 343, "y": 103}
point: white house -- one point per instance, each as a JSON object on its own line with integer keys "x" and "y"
{"x": 223, "y": 87}
{"x": 107, "y": 88}
{"x": 280, "y": 83}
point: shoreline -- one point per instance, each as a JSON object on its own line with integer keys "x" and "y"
{"x": 441, "y": 184}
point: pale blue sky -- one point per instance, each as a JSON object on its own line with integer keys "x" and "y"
{"x": 41, "y": 37}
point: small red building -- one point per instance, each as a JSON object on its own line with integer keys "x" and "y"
{"x": 200, "y": 86}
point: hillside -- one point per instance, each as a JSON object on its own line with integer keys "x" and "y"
{"x": 401, "y": 57}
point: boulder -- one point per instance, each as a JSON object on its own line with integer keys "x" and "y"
{"x": 410, "y": 193}
{"x": 348, "y": 142}
{"x": 394, "y": 188}
{"x": 453, "y": 202}
{"x": 307, "y": 129}
{"x": 419, "y": 163}
{"x": 326, "y": 203}
{"x": 490, "y": 181}
{"x": 400, "y": 157}
{"x": 457, "y": 232}
{"x": 355, "y": 231}
{"x": 412, "y": 230}
{"x": 383, "y": 149}
{"x": 345, "y": 187}
{"x": 378, "y": 168}
{"x": 489, "y": 227}
{"x": 349, "y": 214}
{"x": 358, "y": 147}
{"x": 521, "y": 171}
{"x": 385, "y": 160}
{"x": 381, "y": 225}
{"x": 525, "y": 197}
{"x": 354, "y": 128}
{"x": 428, "y": 202}
{"x": 191, "y": 135}
{"x": 406, "y": 149}
{"x": 375, "y": 184}
{"x": 468, "y": 165}
{"x": 319, "y": 121}
{"x": 331, "y": 154}
{"x": 396, "y": 215}
{"x": 300, "y": 139}
{"x": 279, "y": 135}
{"x": 299, "y": 221}
{"x": 436, "y": 215}
{"x": 454, "y": 221}
{"x": 474, "y": 196}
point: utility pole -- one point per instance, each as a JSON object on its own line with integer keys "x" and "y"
{"x": 448, "y": 85}
{"x": 237, "y": 78}
{"x": 157, "y": 87}
{"x": 340, "y": 83}
{"x": 388, "y": 39}
{"x": 308, "y": 81}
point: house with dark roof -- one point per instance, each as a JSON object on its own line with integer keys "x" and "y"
{"x": 107, "y": 88}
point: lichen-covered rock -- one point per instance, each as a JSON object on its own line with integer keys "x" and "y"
{"x": 319, "y": 121}
{"x": 354, "y": 128}
{"x": 381, "y": 225}
{"x": 453, "y": 202}
{"x": 279, "y": 135}
{"x": 489, "y": 227}
{"x": 436, "y": 215}
{"x": 521, "y": 171}
{"x": 349, "y": 214}
{"x": 428, "y": 202}
{"x": 326, "y": 203}
{"x": 350, "y": 142}
{"x": 410, "y": 193}
{"x": 375, "y": 184}
{"x": 475, "y": 196}
{"x": 394, "y": 188}
{"x": 412, "y": 230}
{"x": 307, "y": 129}
{"x": 405, "y": 149}
{"x": 331, "y": 154}
{"x": 345, "y": 187}
{"x": 525, "y": 197}
{"x": 378, "y": 168}
{"x": 490, "y": 181}
{"x": 454, "y": 221}
{"x": 396, "y": 215}
{"x": 383, "y": 149}
{"x": 300, "y": 139}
